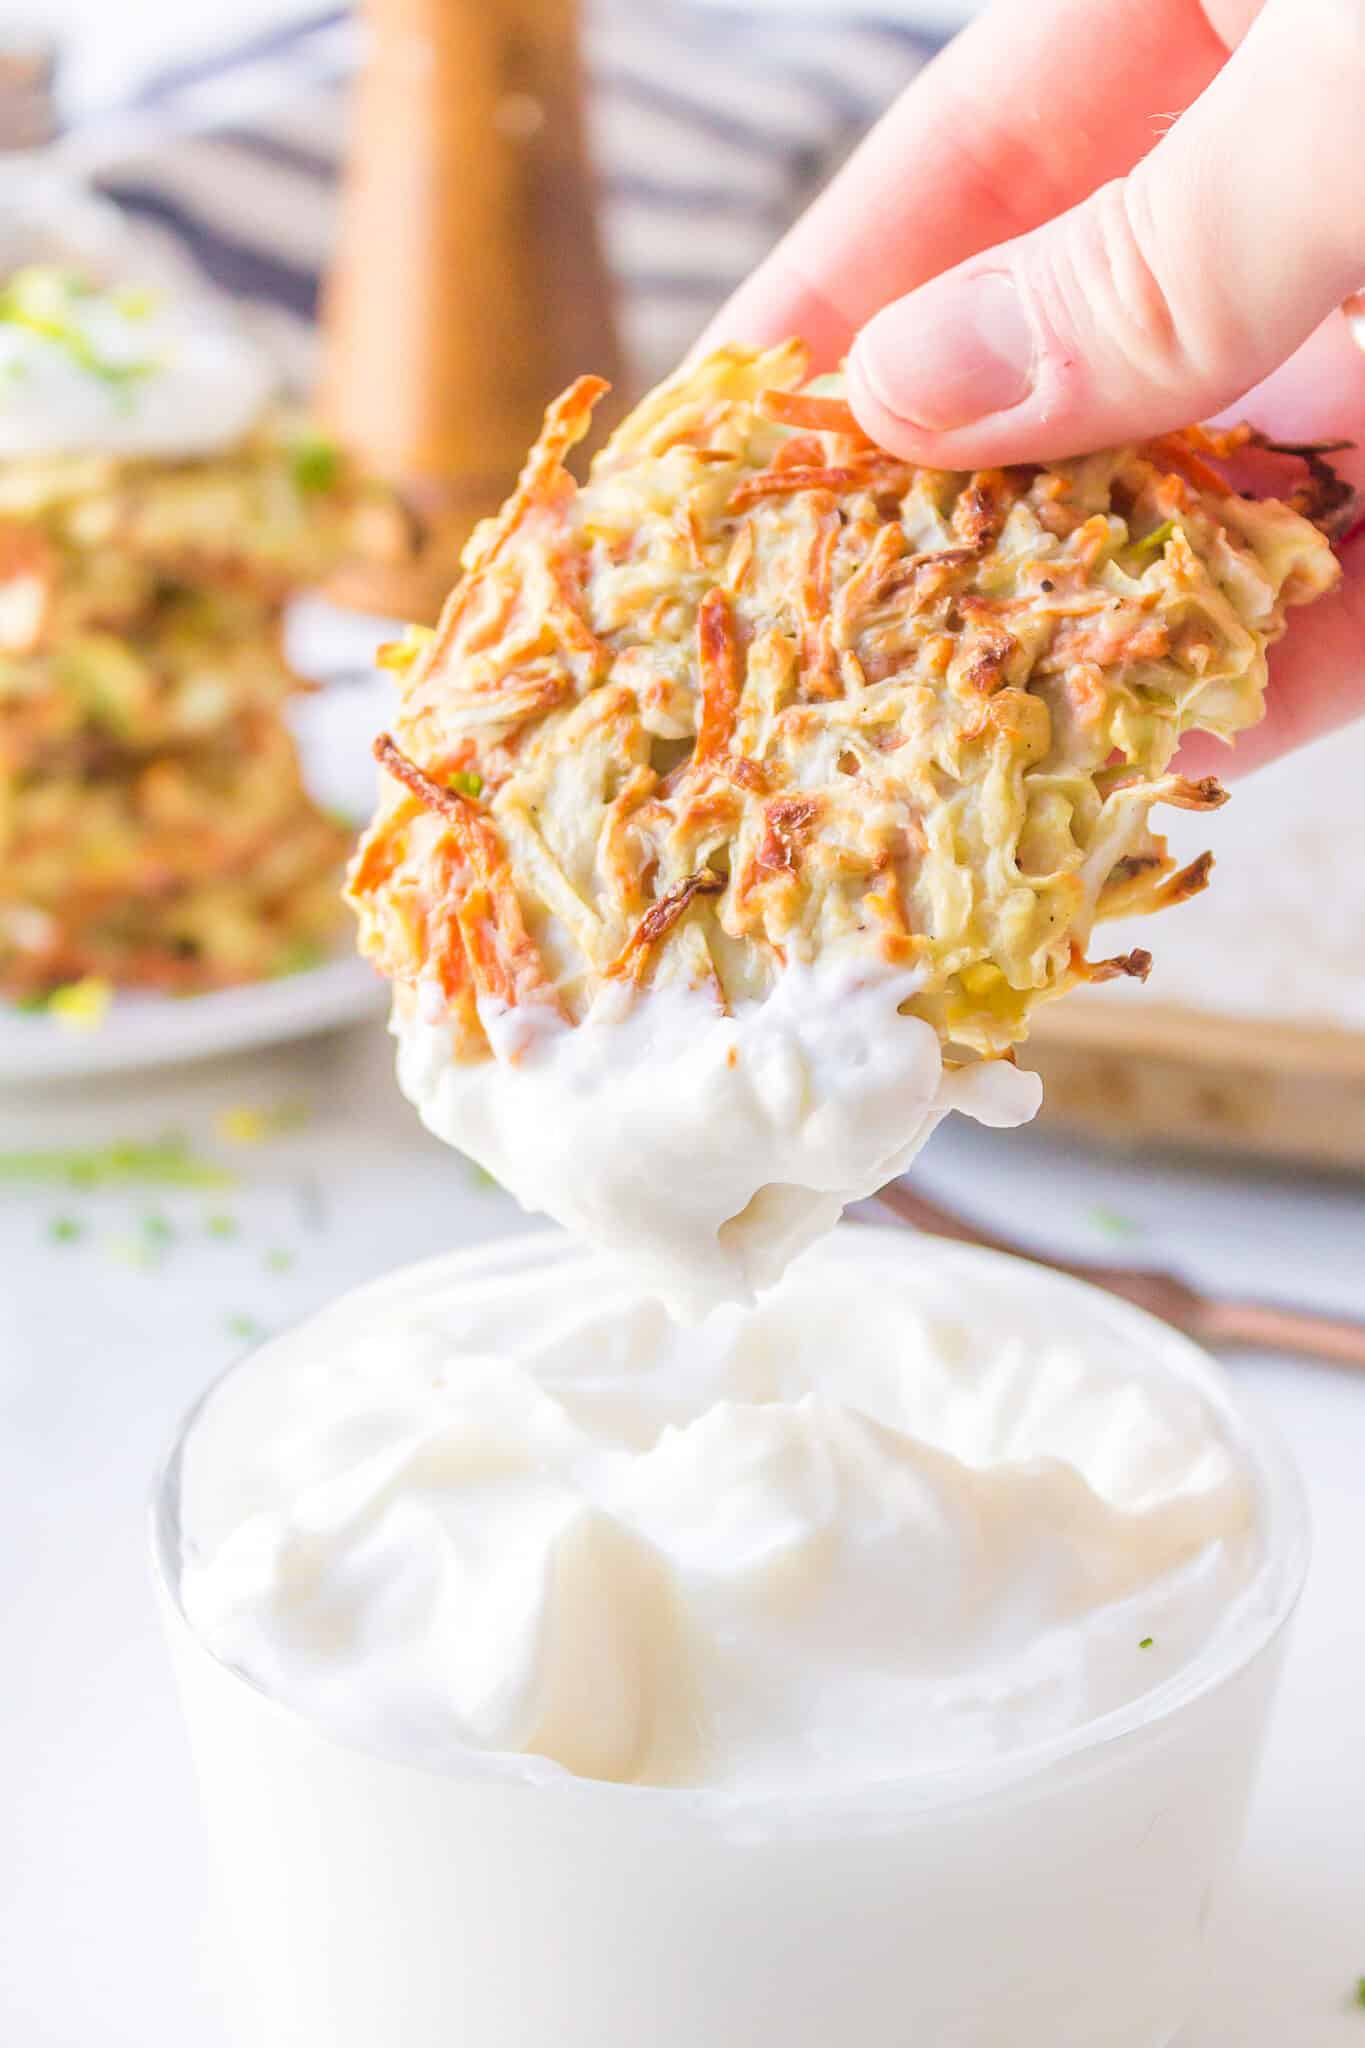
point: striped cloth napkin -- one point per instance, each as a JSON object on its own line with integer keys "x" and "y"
{"x": 712, "y": 124}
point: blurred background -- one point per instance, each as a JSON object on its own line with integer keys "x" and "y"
{"x": 426, "y": 218}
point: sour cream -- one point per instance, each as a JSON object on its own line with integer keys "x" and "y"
{"x": 706, "y": 1148}
{"x": 915, "y": 1511}
{"x": 121, "y": 372}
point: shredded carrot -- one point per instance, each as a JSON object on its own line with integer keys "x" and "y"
{"x": 718, "y": 661}
{"x": 804, "y": 409}
{"x": 883, "y": 472}
{"x": 633, "y": 959}
{"x": 504, "y": 958}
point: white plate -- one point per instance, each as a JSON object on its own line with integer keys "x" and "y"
{"x": 154, "y": 1031}
{"x": 334, "y": 729}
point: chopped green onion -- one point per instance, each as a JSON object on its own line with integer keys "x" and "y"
{"x": 220, "y": 1224}
{"x": 81, "y": 1005}
{"x": 1113, "y": 1222}
{"x": 137, "y": 301}
{"x": 299, "y": 958}
{"x": 43, "y": 301}
{"x": 246, "y": 1328}
{"x": 65, "y": 1229}
{"x": 247, "y": 1125}
{"x": 465, "y": 782}
{"x": 157, "y": 1229}
{"x": 315, "y": 462}
{"x": 1360, "y": 1991}
{"x": 278, "y": 1260}
{"x": 1146, "y": 1643}
{"x": 1157, "y": 538}
{"x": 169, "y": 1161}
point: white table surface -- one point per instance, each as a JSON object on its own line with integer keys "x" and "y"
{"x": 102, "y": 1932}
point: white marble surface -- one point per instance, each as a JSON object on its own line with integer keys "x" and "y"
{"x": 102, "y": 1938}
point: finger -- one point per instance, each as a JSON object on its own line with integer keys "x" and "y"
{"x": 1317, "y": 394}
{"x": 1160, "y": 298}
{"x": 963, "y": 160}
{"x": 1317, "y": 672}
{"x": 1317, "y": 682}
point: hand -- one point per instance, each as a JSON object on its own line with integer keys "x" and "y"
{"x": 1089, "y": 221}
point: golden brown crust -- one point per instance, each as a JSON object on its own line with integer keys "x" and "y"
{"x": 760, "y": 688}
{"x": 1134, "y": 966}
{"x": 659, "y": 920}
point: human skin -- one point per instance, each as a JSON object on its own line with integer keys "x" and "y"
{"x": 1090, "y": 221}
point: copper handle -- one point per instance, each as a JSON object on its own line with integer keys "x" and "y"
{"x": 1261, "y": 1326}
{"x": 1267, "y": 1328}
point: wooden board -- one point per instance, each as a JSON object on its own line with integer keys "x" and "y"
{"x": 1160, "y": 1074}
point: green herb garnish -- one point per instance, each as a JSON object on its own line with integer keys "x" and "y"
{"x": 157, "y": 1229}
{"x": 246, "y": 1328}
{"x": 278, "y": 1260}
{"x": 1114, "y": 1223}
{"x": 1157, "y": 538}
{"x": 169, "y": 1162}
{"x": 481, "y": 1178}
{"x": 220, "y": 1224}
{"x": 465, "y": 782}
{"x": 315, "y": 462}
{"x": 46, "y": 301}
{"x": 65, "y": 1229}
{"x": 299, "y": 958}
{"x": 245, "y": 1124}
{"x": 137, "y": 301}
{"x": 34, "y": 1001}
{"x": 1146, "y": 1643}
{"x": 81, "y": 1005}
{"x": 1359, "y": 1998}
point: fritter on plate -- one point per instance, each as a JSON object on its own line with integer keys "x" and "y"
{"x": 279, "y": 508}
{"x": 199, "y": 661}
{"x": 189, "y": 871}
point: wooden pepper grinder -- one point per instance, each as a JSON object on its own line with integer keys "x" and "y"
{"x": 468, "y": 285}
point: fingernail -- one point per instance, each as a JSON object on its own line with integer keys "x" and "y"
{"x": 955, "y": 351}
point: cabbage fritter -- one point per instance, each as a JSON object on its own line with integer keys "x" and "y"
{"x": 189, "y": 871}
{"x": 760, "y": 688}
{"x": 198, "y": 661}
{"x": 154, "y": 827}
{"x": 279, "y": 508}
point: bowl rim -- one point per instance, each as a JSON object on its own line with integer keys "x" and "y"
{"x": 1270, "y": 1598}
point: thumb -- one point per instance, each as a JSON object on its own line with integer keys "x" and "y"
{"x": 1164, "y": 296}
